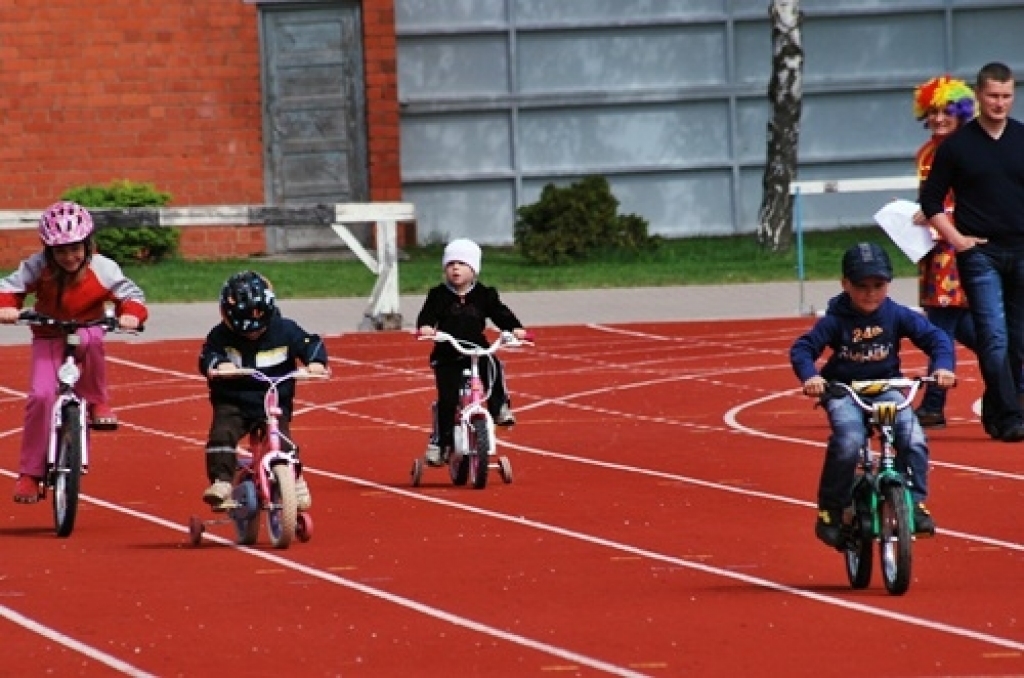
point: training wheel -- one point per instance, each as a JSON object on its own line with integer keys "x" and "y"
{"x": 304, "y": 527}
{"x": 196, "y": 527}
{"x": 417, "y": 472}
{"x": 505, "y": 469}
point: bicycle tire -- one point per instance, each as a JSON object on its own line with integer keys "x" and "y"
{"x": 895, "y": 539}
{"x": 859, "y": 553}
{"x": 66, "y": 475}
{"x": 246, "y": 515}
{"x": 282, "y": 513}
{"x": 480, "y": 464}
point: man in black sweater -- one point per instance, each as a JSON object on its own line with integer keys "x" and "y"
{"x": 983, "y": 164}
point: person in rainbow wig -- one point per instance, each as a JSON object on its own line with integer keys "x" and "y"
{"x": 943, "y": 104}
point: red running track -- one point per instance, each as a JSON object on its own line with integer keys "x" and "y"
{"x": 659, "y": 524}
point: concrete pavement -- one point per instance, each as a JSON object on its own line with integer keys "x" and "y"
{"x": 646, "y": 304}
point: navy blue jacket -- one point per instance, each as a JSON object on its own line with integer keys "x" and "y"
{"x": 276, "y": 352}
{"x": 866, "y": 346}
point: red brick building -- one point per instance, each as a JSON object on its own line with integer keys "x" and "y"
{"x": 167, "y": 92}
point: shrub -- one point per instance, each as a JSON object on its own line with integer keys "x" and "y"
{"x": 128, "y": 244}
{"x": 576, "y": 222}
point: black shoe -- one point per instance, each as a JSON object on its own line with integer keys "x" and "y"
{"x": 1013, "y": 433}
{"x": 924, "y": 524}
{"x": 828, "y": 527}
{"x": 930, "y": 418}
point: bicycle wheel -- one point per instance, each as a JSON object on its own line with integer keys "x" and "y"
{"x": 66, "y": 475}
{"x": 480, "y": 462}
{"x": 895, "y": 539}
{"x": 859, "y": 553}
{"x": 283, "y": 510}
{"x": 246, "y": 514}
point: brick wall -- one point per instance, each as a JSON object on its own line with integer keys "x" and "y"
{"x": 158, "y": 91}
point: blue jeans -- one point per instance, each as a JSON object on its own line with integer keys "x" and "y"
{"x": 956, "y": 322}
{"x": 849, "y": 435}
{"x": 993, "y": 278}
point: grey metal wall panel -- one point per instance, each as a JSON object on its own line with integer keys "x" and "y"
{"x": 621, "y": 59}
{"x": 448, "y": 14}
{"x": 456, "y": 144}
{"x": 602, "y": 138}
{"x": 667, "y": 99}
{"x": 453, "y": 66}
{"x": 610, "y": 11}
{"x": 478, "y": 210}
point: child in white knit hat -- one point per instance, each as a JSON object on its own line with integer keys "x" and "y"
{"x": 461, "y": 306}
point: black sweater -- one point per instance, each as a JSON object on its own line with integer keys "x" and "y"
{"x": 987, "y": 179}
{"x": 463, "y": 317}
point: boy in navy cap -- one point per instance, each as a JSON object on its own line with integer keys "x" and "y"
{"x": 863, "y": 328}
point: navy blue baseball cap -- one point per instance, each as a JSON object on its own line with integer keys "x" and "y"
{"x": 866, "y": 260}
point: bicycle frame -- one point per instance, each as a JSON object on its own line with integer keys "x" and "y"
{"x": 266, "y": 480}
{"x": 67, "y": 451}
{"x": 882, "y": 504}
{"x": 473, "y": 435}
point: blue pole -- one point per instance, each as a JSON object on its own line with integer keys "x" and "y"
{"x": 799, "y": 219}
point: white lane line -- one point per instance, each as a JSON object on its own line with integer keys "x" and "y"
{"x": 72, "y": 644}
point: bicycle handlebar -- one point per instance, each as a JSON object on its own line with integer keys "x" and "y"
{"x": 297, "y": 375}
{"x": 505, "y": 340}
{"x": 871, "y": 387}
{"x": 107, "y": 322}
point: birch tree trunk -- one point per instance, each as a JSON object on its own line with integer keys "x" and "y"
{"x": 775, "y": 230}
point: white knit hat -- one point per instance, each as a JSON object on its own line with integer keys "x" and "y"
{"x": 464, "y": 250}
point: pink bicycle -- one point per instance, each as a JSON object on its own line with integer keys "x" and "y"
{"x": 264, "y": 480}
{"x": 473, "y": 453}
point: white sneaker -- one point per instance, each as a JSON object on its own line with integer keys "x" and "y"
{"x": 433, "y": 454}
{"x": 506, "y": 417}
{"x": 217, "y": 493}
{"x": 303, "y": 498}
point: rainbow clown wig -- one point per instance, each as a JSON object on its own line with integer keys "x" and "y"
{"x": 948, "y": 93}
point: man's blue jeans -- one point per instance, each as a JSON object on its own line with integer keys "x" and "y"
{"x": 849, "y": 435}
{"x": 993, "y": 278}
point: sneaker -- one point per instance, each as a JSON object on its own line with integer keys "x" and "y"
{"x": 26, "y": 490}
{"x": 303, "y": 497}
{"x": 102, "y": 418}
{"x": 433, "y": 454}
{"x": 217, "y": 493}
{"x": 924, "y": 524}
{"x": 828, "y": 527}
{"x": 1013, "y": 433}
{"x": 930, "y": 418}
{"x": 506, "y": 417}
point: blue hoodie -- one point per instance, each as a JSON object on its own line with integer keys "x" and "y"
{"x": 866, "y": 346}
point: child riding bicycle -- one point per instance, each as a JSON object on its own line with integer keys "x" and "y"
{"x": 253, "y": 334}
{"x": 461, "y": 306}
{"x": 70, "y": 281}
{"x": 863, "y": 327}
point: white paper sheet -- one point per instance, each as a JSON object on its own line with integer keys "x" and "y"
{"x": 897, "y": 219}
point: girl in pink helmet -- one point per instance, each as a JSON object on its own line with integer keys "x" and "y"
{"x": 70, "y": 282}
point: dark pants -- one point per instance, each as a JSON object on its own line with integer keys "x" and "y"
{"x": 228, "y": 427}
{"x": 957, "y": 323}
{"x": 993, "y": 278}
{"x": 448, "y": 379}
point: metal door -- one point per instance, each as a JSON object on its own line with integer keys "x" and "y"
{"x": 314, "y": 113}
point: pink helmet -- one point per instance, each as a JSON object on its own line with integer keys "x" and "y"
{"x": 64, "y": 223}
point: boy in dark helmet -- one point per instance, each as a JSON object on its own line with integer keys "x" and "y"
{"x": 252, "y": 334}
{"x": 863, "y": 328}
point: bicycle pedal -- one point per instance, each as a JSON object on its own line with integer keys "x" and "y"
{"x": 225, "y": 506}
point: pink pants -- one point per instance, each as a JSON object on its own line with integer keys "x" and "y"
{"x": 47, "y": 356}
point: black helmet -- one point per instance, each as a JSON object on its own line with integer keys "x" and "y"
{"x": 247, "y": 302}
